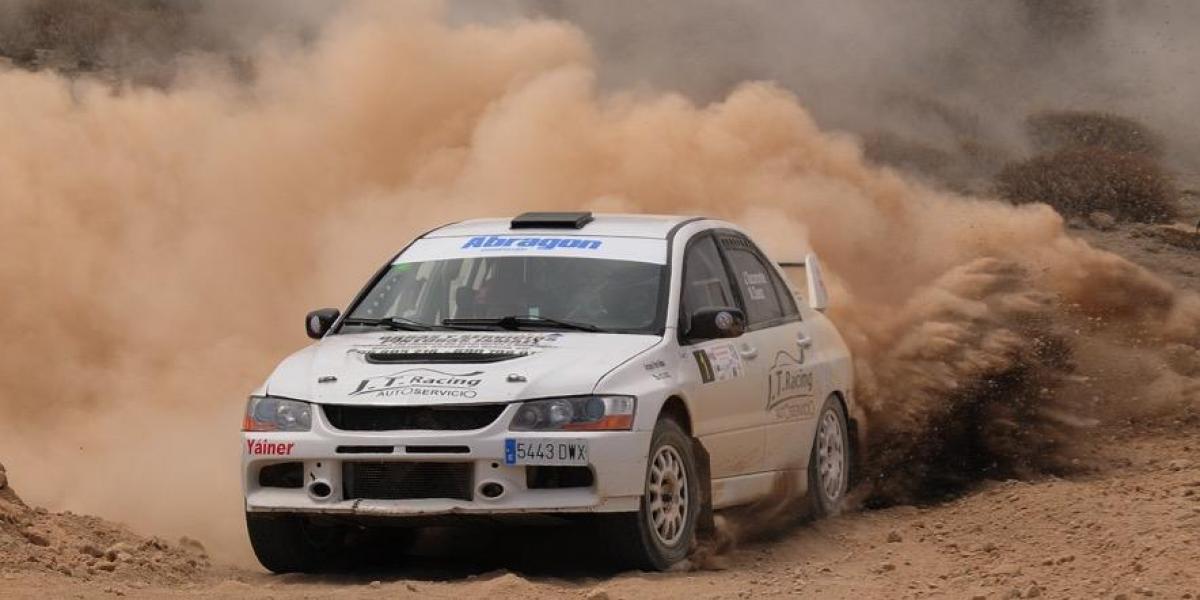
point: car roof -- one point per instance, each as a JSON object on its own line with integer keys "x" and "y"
{"x": 602, "y": 225}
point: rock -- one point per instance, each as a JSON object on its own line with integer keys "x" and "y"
{"x": 1184, "y": 359}
{"x": 410, "y": 587}
{"x": 887, "y": 566}
{"x": 35, "y": 538}
{"x": 1179, "y": 464}
{"x": 3, "y": 479}
{"x": 191, "y": 545}
{"x": 1102, "y": 220}
{"x": 91, "y": 550}
{"x": 894, "y": 537}
{"x": 597, "y": 594}
{"x": 1032, "y": 592}
{"x": 118, "y": 550}
{"x": 1007, "y": 569}
{"x": 376, "y": 583}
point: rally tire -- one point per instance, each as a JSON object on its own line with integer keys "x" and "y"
{"x": 292, "y": 544}
{"x": 660, "y": 534}
{"x": 829, "y": 463}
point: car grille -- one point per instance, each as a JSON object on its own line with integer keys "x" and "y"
{"x": 400, "y": 418}
{"x": 407, "y": 480}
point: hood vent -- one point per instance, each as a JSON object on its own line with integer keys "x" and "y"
{"x": 404, "y": 358}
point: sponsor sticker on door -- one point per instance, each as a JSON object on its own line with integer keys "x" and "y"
{"x": 718, "y": 363}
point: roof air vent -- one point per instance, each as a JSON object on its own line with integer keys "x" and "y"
{"x": 552, "y": 220}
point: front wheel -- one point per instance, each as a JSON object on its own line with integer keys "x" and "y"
{"x": 829, "y": 464}
{"x": 292, "y": 543}
{"x": 660, "y": 534}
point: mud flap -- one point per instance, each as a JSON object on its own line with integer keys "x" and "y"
{"x": 705, "y": 525}
{"x": 856, "y": 456}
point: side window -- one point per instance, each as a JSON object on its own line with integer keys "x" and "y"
{"x": 705, "y": 281}
{"x": 765, "y": 295}
{"x": 786, "y": 299}
{"x": 762, "y": 303}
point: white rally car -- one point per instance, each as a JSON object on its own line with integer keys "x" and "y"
{"x": 645, "y": 370}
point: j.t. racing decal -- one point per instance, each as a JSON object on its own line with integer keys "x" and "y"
{"x": 421, "y": 382}
{"x": 486, "y": 242}
{"x": 269, "y": 448}
{"x": 790, "y": 380}
{"x": 718, "y": 363}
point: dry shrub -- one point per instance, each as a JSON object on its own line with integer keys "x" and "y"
{"x": 1052, "y": 131}
{"x": 1079, "y": 181}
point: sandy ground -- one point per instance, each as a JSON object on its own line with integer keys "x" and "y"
{"x": 1127, "y": 526}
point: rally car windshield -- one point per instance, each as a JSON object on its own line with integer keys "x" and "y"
{"x": 544, "y": 292}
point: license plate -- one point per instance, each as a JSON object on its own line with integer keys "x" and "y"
{"x": 553, "y": 452}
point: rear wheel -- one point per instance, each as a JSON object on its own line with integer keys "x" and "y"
{"x": 292, "y": 543}
{"x": 829, "y": 464}
{"x": 661, "y": 532}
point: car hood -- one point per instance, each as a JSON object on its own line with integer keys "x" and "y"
{"x": 469, "y": 367}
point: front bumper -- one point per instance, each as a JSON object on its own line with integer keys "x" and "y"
{"x": 617, "y": 462}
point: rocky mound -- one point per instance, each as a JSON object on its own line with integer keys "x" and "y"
{"x": 36, "y": 540}
{"x": 6, "y": 493}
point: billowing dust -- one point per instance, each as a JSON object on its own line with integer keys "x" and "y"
{"x": 160, "y": 249}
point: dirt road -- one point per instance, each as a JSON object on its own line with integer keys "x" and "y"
{"x": 1129, "y": 528}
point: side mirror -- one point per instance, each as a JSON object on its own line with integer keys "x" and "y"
{"x": 318, "y": 322}
{"x": 818, "y": 298}
{"x": 713, "y": 323}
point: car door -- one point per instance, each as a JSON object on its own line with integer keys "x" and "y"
{"x": 779, "y": 339}
{"x": 718, "y": 378}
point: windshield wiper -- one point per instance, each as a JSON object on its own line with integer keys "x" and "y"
{"x": 401, "y": 323}
{"x": 515, "y": 322}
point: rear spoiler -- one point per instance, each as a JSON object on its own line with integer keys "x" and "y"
{"x": 818, "y": 296}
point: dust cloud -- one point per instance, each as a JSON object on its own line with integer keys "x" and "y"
{"x": 160, "y": 245}
{"x": 952, "y": 76}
